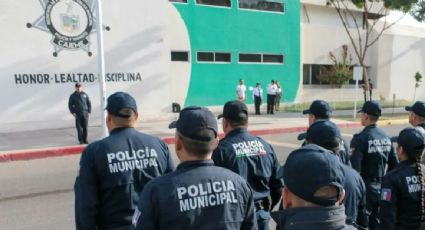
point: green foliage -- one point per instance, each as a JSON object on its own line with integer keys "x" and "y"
{"x": 418, "y": 79}
{"x": 418, "y": 12}
{"x": 340, "y": 72}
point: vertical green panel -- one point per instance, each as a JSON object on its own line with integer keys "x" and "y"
{"x": 241, "y": 31}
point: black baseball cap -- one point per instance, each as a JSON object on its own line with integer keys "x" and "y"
{"x": 77, "y": 85}
{"x": 411, "y": 139}
{"x": 319, "y": 108}
{"x": 371, "y": 108}
{"x": 324, "y": 133}
{"x": 310, "y": 168}
{"x": 418, "y": 108}
{"x": 193, "y": 120}
{"x": 234, "y": 111}
{"x": 118, "y": 101}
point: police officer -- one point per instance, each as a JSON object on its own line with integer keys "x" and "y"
{"x": 105, "y": 188}
{"x": 371, "y": 151}
{"x": 320, "y": 110}
{"x": 79, "y": 106}
{"x": 403, "y": 193}
{"x": 251, "y": 157}
{"x": 417, "y": 114}
{"x": 313, "y": 191}
{"x": 326, "y": 134}
{"x": 198, "y": 195}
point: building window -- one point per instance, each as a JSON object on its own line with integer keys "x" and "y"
{"x": 262, "y": 58}
{"x": 214, "y": 57}
{"x": 182, "y": 1}
{"x": 225, "y": 3}
{"x": 180, "y": 56}
{"x": 263, "y": 5}
{"x": 272, "y": 58}
{"x": 311, "y": 74}
{"x": 250, "y": 58}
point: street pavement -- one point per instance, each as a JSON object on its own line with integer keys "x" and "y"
{"x": 38, "y": 194}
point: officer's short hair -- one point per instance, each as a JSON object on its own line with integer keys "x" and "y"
{"x": 373, "y": 118}
{"x": 127, "y": 120}
{"x": 197, "y": 147}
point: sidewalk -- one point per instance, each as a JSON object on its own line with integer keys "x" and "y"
{"x": 58, "y": 142}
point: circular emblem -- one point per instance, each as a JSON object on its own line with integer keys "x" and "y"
{"x": 70, "y": 22}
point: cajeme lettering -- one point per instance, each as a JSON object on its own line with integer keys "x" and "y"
{"x": 210, "y": 194}
{"x": 129, "y": 160}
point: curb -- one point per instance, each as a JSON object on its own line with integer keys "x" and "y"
{"x": 33, "y": 154}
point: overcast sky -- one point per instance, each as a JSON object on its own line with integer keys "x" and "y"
{"x": 407, "y": 19}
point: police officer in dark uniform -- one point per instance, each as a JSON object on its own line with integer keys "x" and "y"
{"x": 402, "y": 202}
{"x": 417, "y": 114}
{"x": 320, "y": 110}
{"x": 326, "y": 134}
{"x": 79, "y": 106}
{"x": 371, "y": 151}
{"x": 313, "y": 191}
{"x": 198, "y": 195}
{"x": 251, "y": 157}
{"x": 105, "y": 189}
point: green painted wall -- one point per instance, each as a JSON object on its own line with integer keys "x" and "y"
{"x": 241, "y": 31}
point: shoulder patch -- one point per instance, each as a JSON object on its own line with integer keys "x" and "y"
{"x": 353, "y": 151}
{"x": 386, "y": 194}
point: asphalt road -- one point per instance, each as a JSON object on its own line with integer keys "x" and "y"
{"x": 38, "y": 194}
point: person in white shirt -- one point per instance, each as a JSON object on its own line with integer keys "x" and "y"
{"x": 271, "y": 95}
{"x": 257, "y": 95}
{"x": 279, "y": 94}
{"x": 240, "y": 91}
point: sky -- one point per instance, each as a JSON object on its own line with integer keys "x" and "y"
{"x": 407, "y": 19}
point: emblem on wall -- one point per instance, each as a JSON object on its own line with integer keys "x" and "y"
{"x": 70, "y": 22}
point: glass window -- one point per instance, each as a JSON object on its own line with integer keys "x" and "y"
{"x": 272, "y": 58}
{"x": 184, "y": 1}
{"x": 250, "y": 58}
{"x": 215, "y": 2}
{"x": 206, "y": 56}
{"x": 222, "y": 57}
{"x": 179, "y": 56}
{"x": 263, "y": 5}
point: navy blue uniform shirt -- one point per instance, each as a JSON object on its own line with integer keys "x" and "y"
{"x": 400, "y": 202}
{"x": 371, "y": 150}
{"x": 79, "y": 103}
{"x": 197, "y": 196}
{"x": 252, "y": 158}
{"x": 105, "y": 193}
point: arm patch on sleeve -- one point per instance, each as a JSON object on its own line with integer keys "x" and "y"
{"x": 386, "y": 194}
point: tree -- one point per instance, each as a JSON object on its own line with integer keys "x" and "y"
{"x": 367, "y": 32}
{"x": 340, "y": 72}
{"x": 418, "y": 11}
{"x": 418, "y": 80}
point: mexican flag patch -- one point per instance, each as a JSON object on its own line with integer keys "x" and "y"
{"x": 386, "y": 194}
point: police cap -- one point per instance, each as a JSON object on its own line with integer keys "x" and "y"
{"x": 193, "y": 120}
{"x": 372, "y": 108}
{"x": 319, "y": 108}
{"x": 411, "y": 139}
{"x": 234, "y": 111}
{"x": 311, "y": 168}
{"x": 118, "y": 101}
{"x": 324, "y": 133}
{"x": 418, "y": 108}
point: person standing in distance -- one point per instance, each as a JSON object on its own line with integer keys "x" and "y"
{"x": 417, "y": 114}
{"x": 257, "y": 94}
{"x": 114, "y": 169}
{"x": 371, "y": 151}
{"x": 313, "y": 191}
{"x": 402, "y": 201}
{"x": 271, "y": 95}
{"x": 326, "y": 134}
{"x": 278, "y": 97}
{"x": 251, "y": 157}
{"x": 240, "y": 91}
{"x": 198, "y": 195}
{"x": 321, "y": 111}
{"x": 79, "y": 106}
